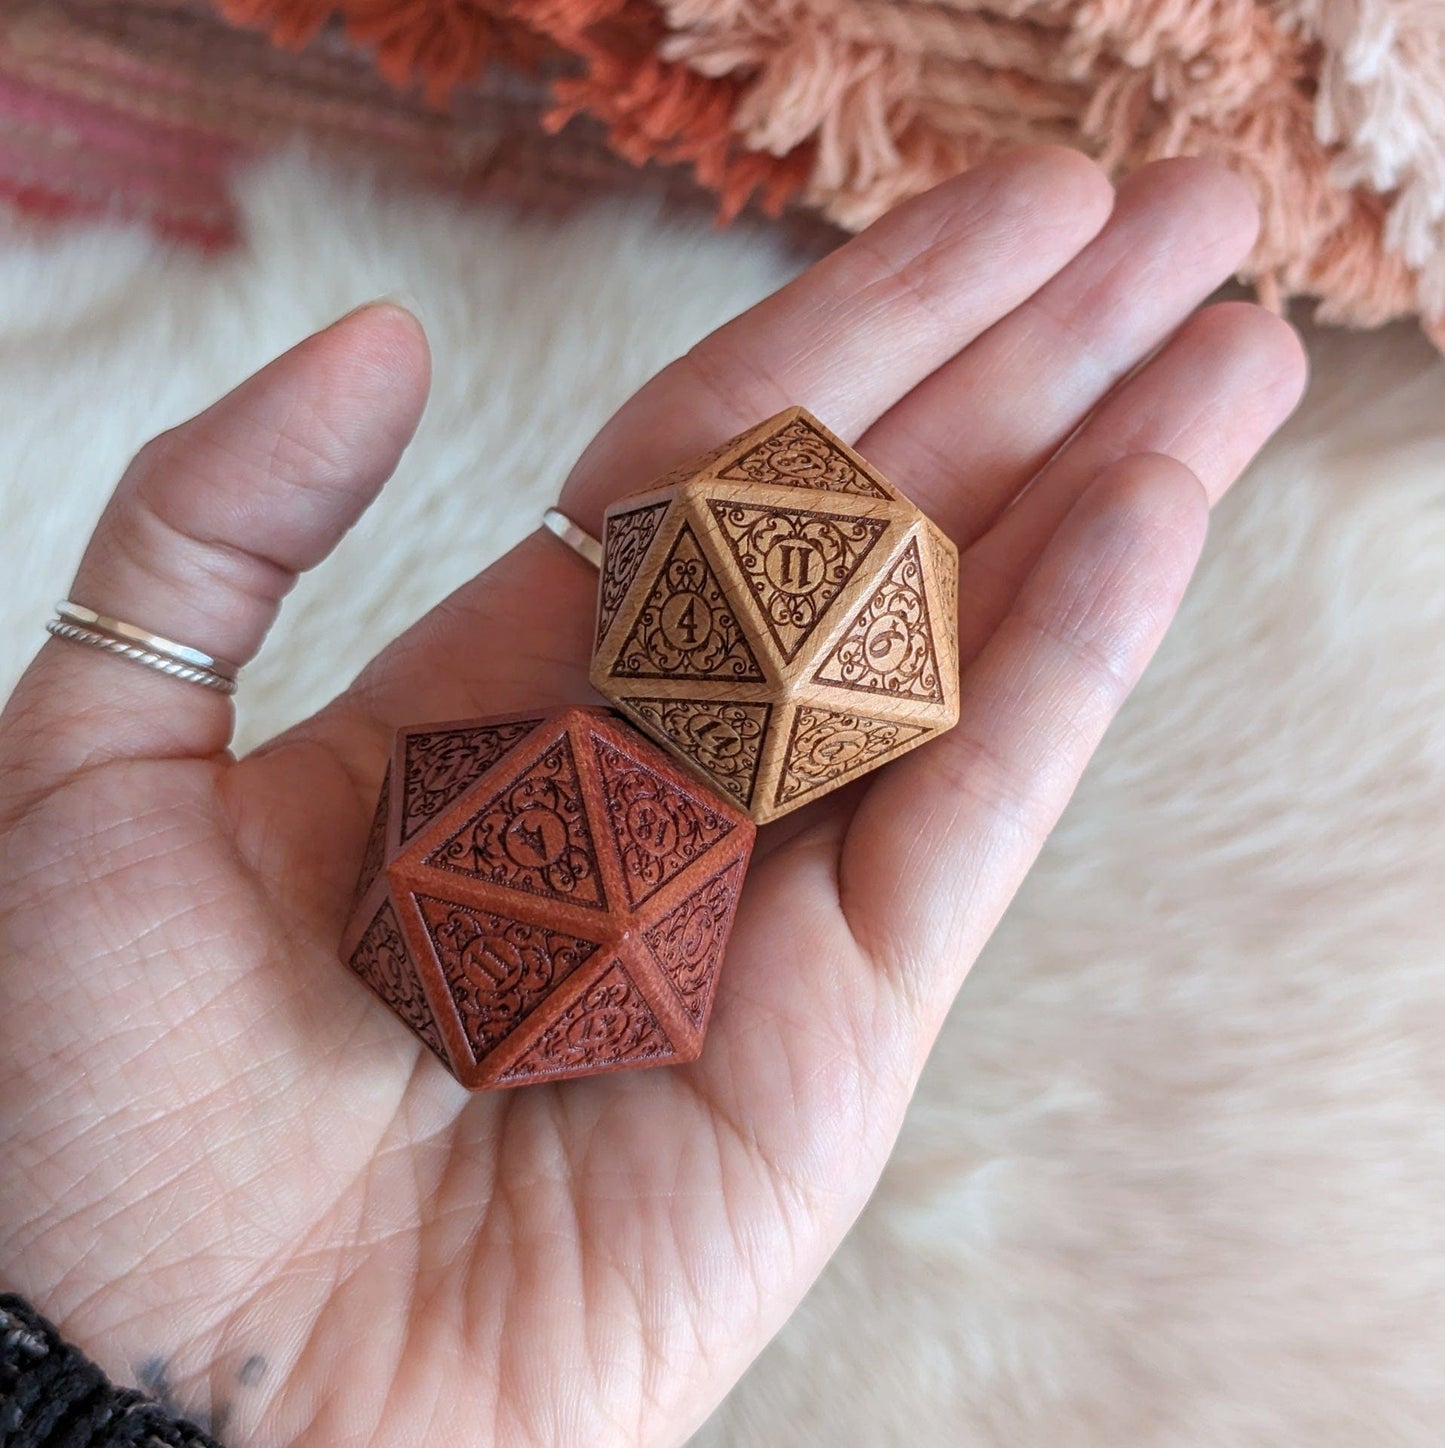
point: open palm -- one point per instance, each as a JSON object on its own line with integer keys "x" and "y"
{"x": 231, "y": 1173}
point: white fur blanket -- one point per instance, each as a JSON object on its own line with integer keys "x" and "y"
{"x": 1176, "y": 1176}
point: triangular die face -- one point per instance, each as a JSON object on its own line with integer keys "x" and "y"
{"x": 532, "y": 835}
{"x": 689, "y": 940}
{"x": 686, "y": 629}
{"x": 798, "y": 455}
{"x": 724, "y": 739}
{"x": 439, "y": 766}
{"x": 795, "y": 562}
{"x": 374, "y": 856}
{"x": 381, "y": 960}
{"x": 497, "y": 970}
{"x": 888, "y": 649}
{"x": 625, "y": 543}
{"x": 827, "y": 747}
{"x": 609, "y": 1024}
{"x": 658, "y": 828}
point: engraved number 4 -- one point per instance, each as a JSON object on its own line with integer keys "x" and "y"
{"x": 687, "y": 621}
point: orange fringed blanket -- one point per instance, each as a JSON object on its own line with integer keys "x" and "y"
{"x": 654, "y": 108}
{"x": 1334, "y": 109}
{"x": 145, "y": 109}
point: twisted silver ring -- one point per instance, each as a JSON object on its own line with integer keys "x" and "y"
{"x": 178, "y": 661}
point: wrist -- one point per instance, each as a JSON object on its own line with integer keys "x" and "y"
{"x": 53, "y": 1396}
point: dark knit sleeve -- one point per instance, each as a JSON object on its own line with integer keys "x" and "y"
{"x": 53, "y": 1396}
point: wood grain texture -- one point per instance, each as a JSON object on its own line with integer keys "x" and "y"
{"x": 546, "y": 895}
{"x": 778, "y": 616}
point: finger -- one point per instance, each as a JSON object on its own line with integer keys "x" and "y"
{"x": 848, "y": 338}
{"x": 1211, "y": 398}
{"x": 863, "y": 326}
{"x": 939, "y": 845}
{"x": 209, "y": 528}
{"x": 969, "y": 437}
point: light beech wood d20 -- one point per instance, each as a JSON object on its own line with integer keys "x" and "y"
{"x": 546, "y": 895}
{"x": 779, "y": 616}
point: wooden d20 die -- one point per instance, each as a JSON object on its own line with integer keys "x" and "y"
{"x": 546, "y": 895}
{"x": 778, "y": 616}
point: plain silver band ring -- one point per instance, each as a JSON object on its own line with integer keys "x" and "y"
{"x": 174, "y": 668}
{"x": 579, "y": 540}
{"x": 155, "y": 643}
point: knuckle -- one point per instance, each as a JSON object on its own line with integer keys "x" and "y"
{"x": 742, "y": 388}
{"x": 910, "y": 280}
{"x": 1096, "y": 658}
{"x": 974, "y": 768}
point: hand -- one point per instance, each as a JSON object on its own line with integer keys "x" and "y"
{"x": 227, "y": 1170}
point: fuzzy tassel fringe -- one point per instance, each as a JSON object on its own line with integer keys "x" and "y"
{"x": 1333, "y": 109}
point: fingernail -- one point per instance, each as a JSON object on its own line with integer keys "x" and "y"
{"x": 403, "y": 300}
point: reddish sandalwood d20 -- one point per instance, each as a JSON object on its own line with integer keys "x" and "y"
{"x": 546, "y": 895}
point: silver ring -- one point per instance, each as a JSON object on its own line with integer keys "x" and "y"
{"x": 156, "y": 643}
{"x": 579, "y": 540}
{"x": 178, "y": 661}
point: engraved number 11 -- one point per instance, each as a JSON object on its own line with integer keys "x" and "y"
{"x": 797, "y": 560}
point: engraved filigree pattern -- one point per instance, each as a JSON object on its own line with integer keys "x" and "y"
{"x": 888, "y": 648}
{"x": 796, "y": 563}
{"x": 724, "y": 739}
{"x": 626, "y": 541}
{"x": 374, "y": 855}
{"x": 659, "y": 830}
{"x": 532, "y": 836}
{"x": 381, "y": 960}
{"x": 609, "y": 1024}
{"x": 686, "y": 629}
{"x": 799, "y": 456}
{"x": 825, "y": 746}
{"x": 440, "y": 766}
{"x": 497, "y": 970}
{"x": 689, "y": 940}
